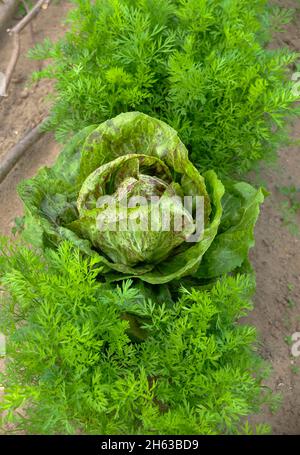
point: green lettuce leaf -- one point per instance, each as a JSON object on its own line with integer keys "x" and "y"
{"x": 241, "y": 205}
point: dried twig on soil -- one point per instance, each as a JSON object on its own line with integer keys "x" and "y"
{"x": 30, "y": 24}
{"x": 15, "y": 153}
{"x": 15, "y": 33}
{"x": 41, "y": 4}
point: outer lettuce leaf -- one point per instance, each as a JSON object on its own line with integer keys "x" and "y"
{"x": 50, "y": 198}
{"x": 241, "y": 205}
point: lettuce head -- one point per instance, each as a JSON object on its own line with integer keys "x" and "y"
{"x": 126, "y": 193}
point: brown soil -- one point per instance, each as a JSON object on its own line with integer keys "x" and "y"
{"x": 25, "y": 106}
{"x": 276, "y": 256}
{"x": 276, "y": 259}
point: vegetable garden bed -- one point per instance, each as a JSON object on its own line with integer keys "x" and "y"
{"x": 276, "y": 301}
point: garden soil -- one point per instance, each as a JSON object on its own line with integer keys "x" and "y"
{"x": 276, "y": 255}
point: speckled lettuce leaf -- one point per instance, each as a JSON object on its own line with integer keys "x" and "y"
{"x": 229, "y": 251}
{"x": 50, "y": 198}
{"x": 137, "y": 133}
